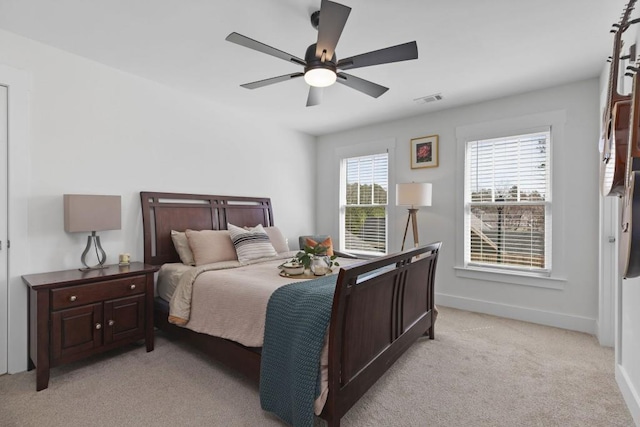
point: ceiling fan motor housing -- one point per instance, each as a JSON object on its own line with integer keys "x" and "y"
{"x": 315, "y": 62}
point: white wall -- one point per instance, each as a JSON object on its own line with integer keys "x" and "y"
{"x": 94, "y": 129}
{"x": 575, "y": 305}
{"x": 628, "y": 350}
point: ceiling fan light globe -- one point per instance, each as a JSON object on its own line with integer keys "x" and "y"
{"x": 320, "y": 77}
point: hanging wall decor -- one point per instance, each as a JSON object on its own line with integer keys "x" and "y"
{"x": 424, "y": 152}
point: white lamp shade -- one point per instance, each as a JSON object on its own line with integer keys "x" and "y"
{"x": 83, "y": 212}
{"x": 413, "y": 194}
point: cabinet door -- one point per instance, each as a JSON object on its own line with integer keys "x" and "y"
{"x": 124, "y": 319}
{"x": 75, "y": 330}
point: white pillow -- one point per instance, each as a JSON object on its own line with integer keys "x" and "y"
{"x": 277, "y": 239}
{"x": 251, "y": 244}
{"x": 181, "y": 244}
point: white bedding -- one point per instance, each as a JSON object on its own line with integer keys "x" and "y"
{"x": 230, "y": 301}
{"x": 225, "y": 299}
{"x": 168, "y": 278}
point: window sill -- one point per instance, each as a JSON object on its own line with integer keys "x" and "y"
{"x": 511, "y": 277}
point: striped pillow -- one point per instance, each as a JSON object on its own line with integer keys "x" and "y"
{"x": 251, "y": 244}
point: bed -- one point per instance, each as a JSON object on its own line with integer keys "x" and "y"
{"x": 380, "y": 307}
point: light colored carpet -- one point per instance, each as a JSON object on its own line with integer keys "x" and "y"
{"x": 479, "y": 371}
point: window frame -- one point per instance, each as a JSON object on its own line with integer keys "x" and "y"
{"x": 547, "y": 203}
{"x": 555, "y": 277}
{"x": 360, "y": 150}
{"x": 344, "y": 205}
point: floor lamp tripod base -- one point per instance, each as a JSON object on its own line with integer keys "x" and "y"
{"x": 414, "y": 222}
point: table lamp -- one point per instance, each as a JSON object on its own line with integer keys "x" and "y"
{"x": 92, "y": 213}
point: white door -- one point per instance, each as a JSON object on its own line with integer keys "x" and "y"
{"x": 4, "y": 290}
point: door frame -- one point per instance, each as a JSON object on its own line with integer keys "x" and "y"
{"x": 609, "y": 276}
{"x": 18, "y": 83}
{"x": 4, "y": 227}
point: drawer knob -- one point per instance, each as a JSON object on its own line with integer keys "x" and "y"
{"x": 72, "y": 298}
{"x": 112, "y": 322}
{"x": 132, "y": 287}
{"x": 98, "y": 326}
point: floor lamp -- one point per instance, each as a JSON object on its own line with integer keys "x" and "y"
{"x": 413, "y": 194}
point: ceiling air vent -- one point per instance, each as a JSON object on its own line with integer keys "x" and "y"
{"x": 428, "y": 98}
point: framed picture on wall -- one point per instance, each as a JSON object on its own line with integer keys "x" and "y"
{"x": 424, "y": 152}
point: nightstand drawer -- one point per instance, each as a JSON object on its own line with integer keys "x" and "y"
{"x": 75, "y": 296}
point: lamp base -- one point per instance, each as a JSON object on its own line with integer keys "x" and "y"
{"x": 414, "y": 222}
{"x": 93, "y": 240}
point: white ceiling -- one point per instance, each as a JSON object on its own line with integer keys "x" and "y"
{"x": 469, "y": 50}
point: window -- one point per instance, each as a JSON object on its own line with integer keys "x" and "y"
{"x": 508, "y": 202}
{"x": 363, "y": 209}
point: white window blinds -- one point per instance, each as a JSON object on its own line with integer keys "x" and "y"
{"x": 365, "y": 185}
{"x": 508, "y": 202}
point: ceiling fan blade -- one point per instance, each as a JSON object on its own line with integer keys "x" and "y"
{"x": 272, "y": 80}
{"x": 401, "y": 52}
{"x": 333, "y": 17}
{"x": 364, "y": 86}
{"x": 315, "y": 96}
{"x": 261, "y": 47}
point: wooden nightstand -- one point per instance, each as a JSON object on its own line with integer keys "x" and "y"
{"x": 74, "y": 314}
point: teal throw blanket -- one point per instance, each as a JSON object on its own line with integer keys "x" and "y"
{"x": 297, "y": 318}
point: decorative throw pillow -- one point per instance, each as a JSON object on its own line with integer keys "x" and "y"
{"x": 277, "y": 239}
{"x": 251, "y": 244}
{"x": 327, "y": 243}
{"x": 211, "y": 246}
{"x": 181, "y": 244}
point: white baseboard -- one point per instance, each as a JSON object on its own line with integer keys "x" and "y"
{"x": 629, "y": 393}
{"x": 548, "y": 318}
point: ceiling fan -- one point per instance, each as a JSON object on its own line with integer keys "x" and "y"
{"x": 320, "y": 63}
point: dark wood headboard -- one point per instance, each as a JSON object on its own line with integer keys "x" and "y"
{"x": 163, "y": 212}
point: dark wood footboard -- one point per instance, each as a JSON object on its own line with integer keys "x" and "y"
{"x": 380, "y": 308}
